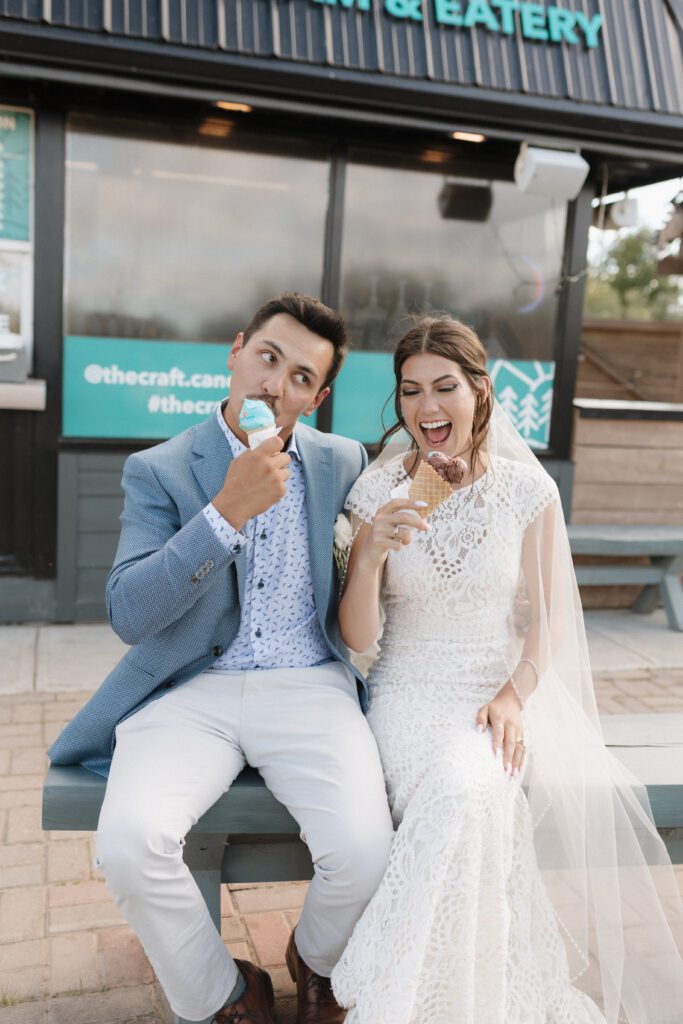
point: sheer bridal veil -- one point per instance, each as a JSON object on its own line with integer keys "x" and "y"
{"x": 604, "y": 866}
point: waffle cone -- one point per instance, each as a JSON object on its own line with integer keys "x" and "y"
{"x": 429, "y": 486}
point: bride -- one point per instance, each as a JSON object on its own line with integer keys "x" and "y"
{"x": 527, "y": 883}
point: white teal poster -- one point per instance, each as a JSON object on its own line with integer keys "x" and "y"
{"x": 524, "y": 388}
{"x": 125, "y": 388}
{"x": 129, "y": 388}
{"x": 119, "y": 387}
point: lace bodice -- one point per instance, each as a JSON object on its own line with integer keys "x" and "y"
{"x": 453, "y": 590}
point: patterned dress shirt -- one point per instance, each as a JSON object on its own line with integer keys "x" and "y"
{"x": 279, "y": 626}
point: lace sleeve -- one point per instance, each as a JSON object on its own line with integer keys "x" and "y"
{"x": 537, "y": 490}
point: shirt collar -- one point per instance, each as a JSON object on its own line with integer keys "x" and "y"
{"x": 236, "y": 445}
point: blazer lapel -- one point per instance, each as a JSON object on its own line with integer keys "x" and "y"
{"x": 213, "y": 456}
{"x": 317, "y": 460}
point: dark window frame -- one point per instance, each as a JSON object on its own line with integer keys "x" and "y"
{"x": 37, "y": 436}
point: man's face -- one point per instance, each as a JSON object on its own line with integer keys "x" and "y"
{"x": 284, "y": 364}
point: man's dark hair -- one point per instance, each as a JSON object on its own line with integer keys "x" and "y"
{"x": 312, "y": 314}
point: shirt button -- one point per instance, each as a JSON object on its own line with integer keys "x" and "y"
{"x": 263, "y": 534}
{"x": 258, "y": 633}
{"x": 217, "y": 651}
{"x": 260, "y": 584}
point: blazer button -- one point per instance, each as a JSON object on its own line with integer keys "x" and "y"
{"x": 217, "y": 651}
{"x": 170, "y": 683}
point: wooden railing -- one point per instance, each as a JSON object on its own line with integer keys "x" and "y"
{"x": 631, "y": 360}
{"x": 628, "y": 470}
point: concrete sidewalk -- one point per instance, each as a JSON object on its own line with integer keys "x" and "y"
{"x": 66, "y": 956}
{"x": 637, "y": 660}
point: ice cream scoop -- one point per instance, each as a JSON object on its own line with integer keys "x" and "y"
{"x": 452, "y": 470}
{"x": 257, "y": 421}
{"x": 256, "y": 415}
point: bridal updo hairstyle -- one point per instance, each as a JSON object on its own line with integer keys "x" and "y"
{"x": 445, "y": 336}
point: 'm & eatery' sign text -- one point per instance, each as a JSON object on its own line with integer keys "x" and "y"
{"x": 536, "y": 21}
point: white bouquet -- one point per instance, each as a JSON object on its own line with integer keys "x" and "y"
{"x": 343, "y": 539}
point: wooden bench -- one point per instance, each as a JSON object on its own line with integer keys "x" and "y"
{"x": 651, "y": 747}
{"x": 662, "y": 544}
{"x": 248, "y": 836}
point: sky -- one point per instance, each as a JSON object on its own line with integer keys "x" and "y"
{"x": 653, "y": 202}
{"x": 654, "y": 210}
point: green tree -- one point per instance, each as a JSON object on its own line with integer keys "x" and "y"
{"x": 626, "y": 284}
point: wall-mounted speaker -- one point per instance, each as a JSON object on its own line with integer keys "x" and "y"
{"x": 554, "y": 173}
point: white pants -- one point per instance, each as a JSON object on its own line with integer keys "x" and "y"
{"x": 305, "y": 733}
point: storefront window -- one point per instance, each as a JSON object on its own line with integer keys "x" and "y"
{"x": 415, "y": 239}
{"x": 174, "y": 237}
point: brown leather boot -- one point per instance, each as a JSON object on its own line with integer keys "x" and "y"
{"x": 257, "y": 1005}
{"x": 315, "y": 1002}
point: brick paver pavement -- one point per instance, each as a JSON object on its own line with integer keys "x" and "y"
{"x": 66, "y": 957}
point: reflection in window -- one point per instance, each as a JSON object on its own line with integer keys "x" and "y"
{"x": 183, "y": 235}
{"x": 415, "y": 240}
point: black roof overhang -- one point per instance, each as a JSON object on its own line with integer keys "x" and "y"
{"x": 639, "y": 146}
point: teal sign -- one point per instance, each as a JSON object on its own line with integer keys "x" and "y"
{"x": 534, "y": 21}
{"x": 123, "y": 387}
{"x": 116, "y": 387}
{"x": 16, "y": 137}
{"x": 120, "y": 387}
{"x": 523, "y": 387}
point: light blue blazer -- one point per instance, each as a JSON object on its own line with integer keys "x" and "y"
{"x": 175, "y": 591}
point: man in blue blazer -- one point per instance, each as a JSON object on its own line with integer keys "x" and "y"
{"x": 224, "y": 587}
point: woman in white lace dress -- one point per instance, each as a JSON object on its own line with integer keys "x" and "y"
{"x": 478, "y": 606}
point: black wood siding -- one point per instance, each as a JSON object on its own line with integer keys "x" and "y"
{"x": 638, "y": 64}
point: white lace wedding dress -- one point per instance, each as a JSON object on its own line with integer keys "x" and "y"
{"x": 460, "y": 930}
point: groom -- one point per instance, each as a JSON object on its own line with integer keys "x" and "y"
{"x": 224, "y": 586}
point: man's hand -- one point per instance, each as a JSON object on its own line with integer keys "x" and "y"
{"x": 255, "y": 481}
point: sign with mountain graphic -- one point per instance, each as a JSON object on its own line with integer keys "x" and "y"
{"x": 524, "y": 388}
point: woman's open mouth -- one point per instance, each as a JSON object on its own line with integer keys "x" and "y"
{"x": 437, "y": 432}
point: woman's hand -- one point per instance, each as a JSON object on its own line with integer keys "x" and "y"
{"x": 504, "y": 715}
{"x": 391, "y": 528}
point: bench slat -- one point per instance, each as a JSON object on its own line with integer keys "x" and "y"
{"x": 72, "y": 798}
{"x": 643, "y": 730}
{"x": 588, "y": 539}
{"x": 650, "y": 746}
{"x": 609, "y": 575}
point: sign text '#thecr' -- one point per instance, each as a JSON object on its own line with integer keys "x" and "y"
{"x": 534, "y": 21}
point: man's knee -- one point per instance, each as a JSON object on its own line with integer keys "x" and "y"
{"x": 131, "y": 851}
{"x": 359, "y": 860}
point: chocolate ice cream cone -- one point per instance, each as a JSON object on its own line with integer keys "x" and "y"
{"x": 428, "y": 486}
